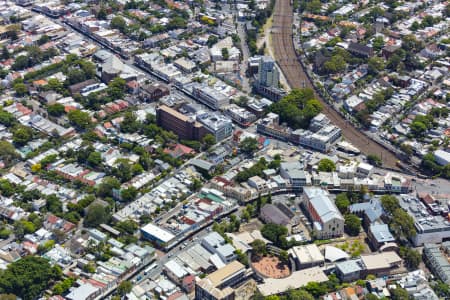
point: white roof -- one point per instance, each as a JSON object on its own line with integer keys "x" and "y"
{"x": 307, "y": 253}
{"x": 382, "y": 260}
{"x": 272, "y": 286}
{"x": 158, "y": 232}
{"x": 334, "y": 254}
{"x": 176, "y": 269}
{"x": 82, "y": 292}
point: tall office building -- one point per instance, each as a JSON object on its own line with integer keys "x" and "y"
{"x": 268, "y": 74}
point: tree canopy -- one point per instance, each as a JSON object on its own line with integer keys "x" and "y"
{"x": 28, "y": 277}
{"x": 352, "y": 224}
{"x": 298, "y": 108}
{"x": 96, "y": 215}
{"x": 326, "y": 165}
{"x": 248, "y": 145}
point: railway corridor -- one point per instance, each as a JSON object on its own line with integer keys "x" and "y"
{"x": 286, "y": 58}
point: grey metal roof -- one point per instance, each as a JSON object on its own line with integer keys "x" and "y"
{"x": 322, "y": 204}
{"x": 274, "y": 214}
{"x": 349, "y": 266}
{"x": 381, "y": 233}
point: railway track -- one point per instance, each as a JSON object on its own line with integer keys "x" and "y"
{"x": 287, "y": 60}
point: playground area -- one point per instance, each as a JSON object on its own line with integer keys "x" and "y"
{"x": 271, "y": 267}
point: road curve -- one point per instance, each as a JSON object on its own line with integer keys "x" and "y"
{"x": 286, "y": 58}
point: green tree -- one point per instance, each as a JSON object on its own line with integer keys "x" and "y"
{"x": 412, "y": 257}
{"x": 402, "y": 224}
{"x": 375, "y": 160}
{"x": 342, "y": 202}
{"x": 442, "y": 289}
{"x": 225, "y": 54}
{"x": 20, "y": 89}
{"x": 275, "y": 233}
{"x": 376, "y": 65}
{"x": 56, "y": 110}
{"x": 28, "y": 277}
{"x": 20, "y": 63}
{"x": 94, "y": 158}
{"x": 5, "y": 53}
{"x": 123, "y": 171}
{"x": 4, "y": 232}
{"x": 352, "y": 224}
{"x": 389, "y": 203}
{"x": 130, "y": 123}
{"x": 299, "y": 295}
{"x": 259, "y": 247}
{"x": 407, "y": 149}
{"x": 79, "y": 119}
{"x": 326, "y": 165}
{"x": 75, "y": 75}
{"x": 314, "y": 6}
{"x": 53, "y": 205}
{"x": 22, "y": 135}
{"x": 335, "y": 64}
{"x": 316, "y": 289}
{"x": 127, "y": 226}
{"x": 118, "y": 23}
{"x": 208, "y": 140}
{"x": 6, "y": 118}
{"x": 248, "y": 145}
{"x": 124, "y": 287}
{"x": 106, "y": 187}
{"x": 196, "y": 184}
{"x": 116, "y": 88}
{"x": 378, "y": 43}
{"x": 102, "y": 14}
{"x": 212, "y": 39}
{"x": 96, "y": 214}
{"x": 418, "y": 128}
{"x": 370, "y": 297}
{"x": 128, "y": 194}
{"x": 297, "y": 108}
{"x": 399, "y": 294}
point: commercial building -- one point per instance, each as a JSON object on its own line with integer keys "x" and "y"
{"x": 430, "y": 219}
{"x": 320, "y": 136}
{"x": 185, "y": 127}
{"x": 217, "y": 124}
{"x": 210, "y": 97}
{"x": 156, "y": 234}
{"x": 215, "y": 243}
{"x": 270, "y": 126}
{"x": 153, "y": 92}
{"x": 240, "y": 115}
{"x": 293, "y": 171}
{"x": 175, "y": 271}
{"x": 220, "y": 284}
{"x": 326, "y": 218}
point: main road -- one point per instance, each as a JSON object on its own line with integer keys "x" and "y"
{"x": 287, "y": 60}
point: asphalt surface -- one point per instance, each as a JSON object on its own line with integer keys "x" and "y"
{"x": 287, "y": 60}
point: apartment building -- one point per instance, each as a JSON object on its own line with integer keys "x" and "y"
{"x": 220, "y": 284}
{"x": 185, "y": 127}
